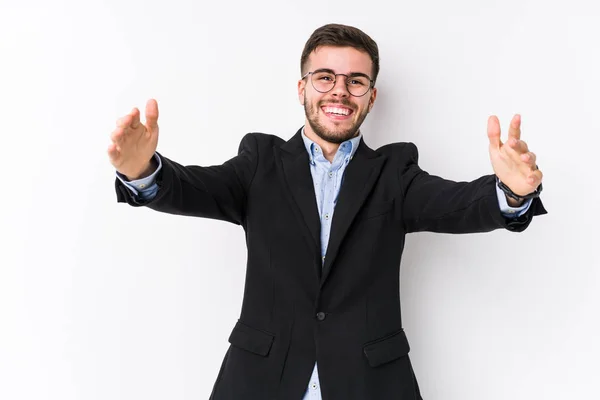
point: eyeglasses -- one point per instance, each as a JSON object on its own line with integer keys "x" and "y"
{"x": 323, "y": 80}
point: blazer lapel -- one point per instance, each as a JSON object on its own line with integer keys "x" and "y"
{"x": 360, "y": 176}
{"x": 294, "y": 172}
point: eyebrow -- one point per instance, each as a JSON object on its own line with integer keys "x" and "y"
{"x": 351, "y": 74}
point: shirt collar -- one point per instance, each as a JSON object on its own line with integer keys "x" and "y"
{"x": 348, "y": 147}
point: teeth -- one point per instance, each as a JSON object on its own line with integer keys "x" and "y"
{"x": 335, "y": 110}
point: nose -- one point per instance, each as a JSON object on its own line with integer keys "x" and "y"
{"x": 340, "y": 89}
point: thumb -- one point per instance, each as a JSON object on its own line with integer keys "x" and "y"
{"x": 152, "y": 114}
{"x": 493, "y": 131}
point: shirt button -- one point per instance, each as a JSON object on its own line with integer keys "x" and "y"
{"x": 326, "y": 216}
{"x": 330, "y": 174}
{"x": 314, "y": 386}
{"x": 320, "y": 315}
{"x": 142, "y": 186}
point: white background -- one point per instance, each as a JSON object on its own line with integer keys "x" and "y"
{"x": 99, "y": 300}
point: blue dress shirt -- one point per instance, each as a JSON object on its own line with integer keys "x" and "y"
{"x": 327, "y": 179}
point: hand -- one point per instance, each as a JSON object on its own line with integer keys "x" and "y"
{"x": 512, "y": 162}
{"x": 133, "y": 143}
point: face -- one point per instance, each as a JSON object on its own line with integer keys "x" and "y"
{"x": 336, "y": 116}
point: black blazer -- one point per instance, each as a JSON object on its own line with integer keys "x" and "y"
{"x": 345, "y": 314}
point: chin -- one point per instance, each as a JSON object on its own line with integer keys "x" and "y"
{"x": 336, "y": 136}
{"x": 333, "y": 131}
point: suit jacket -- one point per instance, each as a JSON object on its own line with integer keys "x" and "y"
{"x": 344, "y": 312}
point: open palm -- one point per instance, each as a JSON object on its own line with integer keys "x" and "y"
{"x": 133, "y": 143}
{"x": 512, "y": 161}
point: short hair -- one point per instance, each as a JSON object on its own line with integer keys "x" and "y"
{"x": 341, "y": 36}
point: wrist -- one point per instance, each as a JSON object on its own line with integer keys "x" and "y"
{"x": 514, "y": 203}
{"x": 147, "y": 171}
{"x": 513, "y": 198}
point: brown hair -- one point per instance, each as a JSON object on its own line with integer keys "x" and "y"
{"x": 340, "y": 36}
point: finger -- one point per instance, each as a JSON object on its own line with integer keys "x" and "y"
{"x": 117, "y": 135}
{"x": 514, "y": 131}
{"x": 124, "y": 122}
{"x": 135, "y": 118}
{"x": 535, "y": 178}
{"x": 493, "y": 131}
{"x": 127, "y": 128}
{"x": 530, "y": 158}
{"x": 112, "y": 148}
{"x": 152, "y": 114}
{"x": 113, "y": 151}
{"x": 517, "y": 145}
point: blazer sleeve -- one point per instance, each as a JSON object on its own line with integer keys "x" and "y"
{"x": 217, "y": 192}
{"x": 434, "y": 204}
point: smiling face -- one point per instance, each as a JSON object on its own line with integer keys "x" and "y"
{"x": 337, "y": 115}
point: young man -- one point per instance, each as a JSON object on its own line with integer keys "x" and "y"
{"x": 325, "y": 218}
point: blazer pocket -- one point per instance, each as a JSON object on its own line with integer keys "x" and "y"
{"x": 387, "y": 349}
{"x": 251, "y": 339}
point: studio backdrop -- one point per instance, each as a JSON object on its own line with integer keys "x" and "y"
{"x": 100, "y": 300}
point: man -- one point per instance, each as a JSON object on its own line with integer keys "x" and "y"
{"x": 325, "y": 219}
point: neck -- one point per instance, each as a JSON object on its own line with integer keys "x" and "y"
{"x": 329, "y": 149}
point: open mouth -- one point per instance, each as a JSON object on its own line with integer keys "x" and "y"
{"x": 337, "y": 112}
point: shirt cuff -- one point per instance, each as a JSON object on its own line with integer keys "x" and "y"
{"x": 140, "y": 185}
{"x": 508, "y": 211}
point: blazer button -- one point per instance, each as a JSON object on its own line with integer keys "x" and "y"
{"x": 321, "y": 316}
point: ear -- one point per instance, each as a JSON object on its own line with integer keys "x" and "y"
{"x": 301, "y": 89}
{"x": 372, "y": 98}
